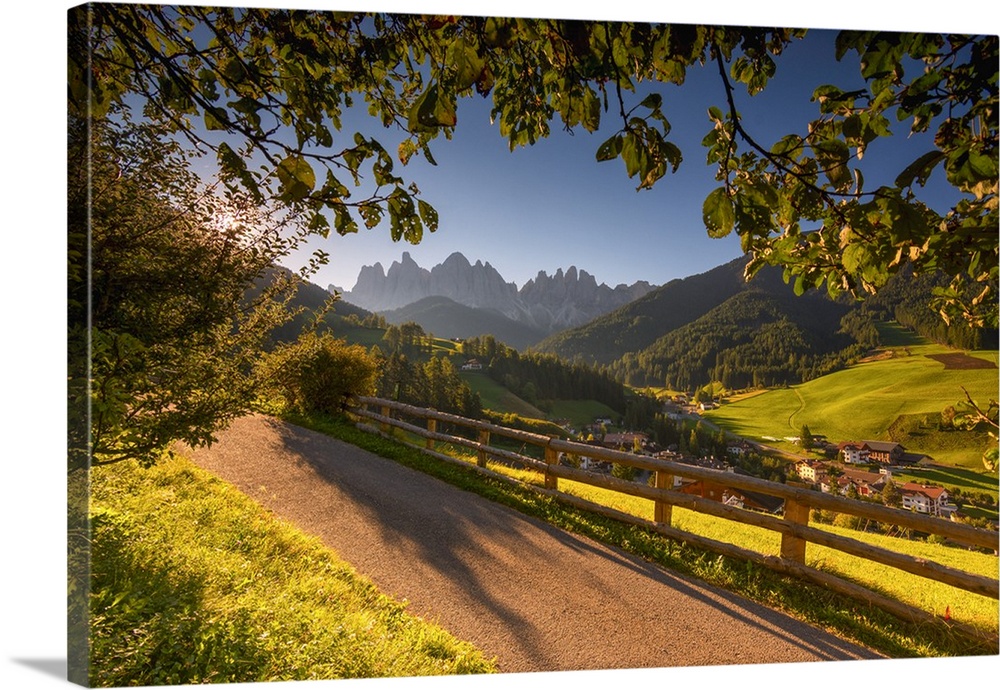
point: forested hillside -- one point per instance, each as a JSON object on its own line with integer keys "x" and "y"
{"x": 638, "y": 324}
{"x": 708, "y": 328}
{"x": 308, "y": 301}
{"x": 905, "y": 299}
{"x": 536, "y": 377}
{"x": 753, "y": 339}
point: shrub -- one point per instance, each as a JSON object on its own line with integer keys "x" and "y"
{"x": 847, "y": 521}
{"x": 318, "y": 373}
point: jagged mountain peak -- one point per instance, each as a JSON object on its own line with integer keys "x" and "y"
{"x": 567, "y": 298}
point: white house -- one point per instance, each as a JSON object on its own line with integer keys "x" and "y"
{"x": 854, "y": 453}
{"x": 930, "y": 500}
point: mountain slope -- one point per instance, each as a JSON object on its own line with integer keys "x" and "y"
{"x": 755, "y": 338}
{"x": 638, "y": 324}
{"x": 448, "y": 319}
{"x": 309, "y": 297}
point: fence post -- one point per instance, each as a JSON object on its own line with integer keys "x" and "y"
{"x": 432, "y": 426}
{"x": 794, "y": 548}
{"x": 386, "y": 412}
{"x": 551, "y": 458}
{"x": 484, "y": 440}
{"x": 661, "y": 509}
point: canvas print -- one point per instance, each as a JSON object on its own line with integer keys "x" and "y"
{"x": 407, "y": 344}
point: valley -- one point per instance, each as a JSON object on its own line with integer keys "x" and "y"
{"x": 769, "y": 363}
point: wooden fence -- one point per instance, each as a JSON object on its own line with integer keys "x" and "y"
{"x": 793, "y": 525}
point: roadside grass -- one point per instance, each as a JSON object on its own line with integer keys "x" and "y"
{"x": 965, "y": 607}
{"x": 193, "y": 582}
{"x": 847, "y": 617}
{"x": 863, "y": 401}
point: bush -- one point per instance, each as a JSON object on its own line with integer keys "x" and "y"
{"x": 847, "y": 521}
{"x": 318, "y": 373}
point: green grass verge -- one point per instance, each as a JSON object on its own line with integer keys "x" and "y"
{"x": 193, "y": 582}
{"x": 965, "y": 607}
{"x": 849, "y": 618}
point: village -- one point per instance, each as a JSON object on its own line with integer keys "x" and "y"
{"x": 860, "y": 470}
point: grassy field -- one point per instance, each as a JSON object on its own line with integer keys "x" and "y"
{"x": 928, "y": 595}
{"x": 863, "y": 401}
{"x": 192, "y": 582}
{"x": 496, "y": 397}
{"x": 925, "y": 594}
{"x": 580, "y": 412}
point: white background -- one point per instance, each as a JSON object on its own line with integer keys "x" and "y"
{"x": 32, "y": 167}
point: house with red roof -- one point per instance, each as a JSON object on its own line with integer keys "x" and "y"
{"x": 863, "y": 452}
{"x": 931, "y": 500}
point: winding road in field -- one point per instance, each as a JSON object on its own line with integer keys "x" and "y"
{"x": 535, "y": 597}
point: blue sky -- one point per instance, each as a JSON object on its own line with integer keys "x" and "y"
{"x": 552, "y": 205}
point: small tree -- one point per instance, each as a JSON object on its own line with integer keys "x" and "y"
{"x": 626, "y": 472}
{"x": 948, "y": 418}
{"x": 318, "y": 373}
{"x": 891, "y": 495}
{"x": 167, "y": 314}
{"x": 805, "y": 437}
{"x": 852, "y": 491}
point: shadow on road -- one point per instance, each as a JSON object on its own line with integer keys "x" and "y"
{"x": 537, "y": 597}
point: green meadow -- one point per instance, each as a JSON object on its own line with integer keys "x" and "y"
{"x": 193, "y": 582}
{"x": 865, "y": 400}
{"x": 496, "y": 397}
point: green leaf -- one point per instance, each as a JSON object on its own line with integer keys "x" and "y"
{"x": 591, "y": 118}
{"x": 800, "y": 286}
{"x": 297, "y": 178}
{"x": 215, "y": 119}
{"x": 832, "y": 155}
{"x": 632, "y": 152}
{"x": 653, "y": 101}
{"x": 610, "y": 149}
{"x": 672, "y": 154}
{"x": 854, "y": 256}
{"x": 718, "y": 213}
{"x": 465, "y": 62}
{"x": 787, "y": 145}
{"x": 920, "y": 169}
{"x": 428, "y": 214}
{"x": 852, "y": 127}
{"x": 983, "y": 166}
{"x": 431, "y": 111}
{"x": 343, "y": 222}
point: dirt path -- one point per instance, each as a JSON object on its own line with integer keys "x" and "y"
{"x": 537, "y": 598}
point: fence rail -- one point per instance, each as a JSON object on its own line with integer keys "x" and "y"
{"x": 793, "y": 526}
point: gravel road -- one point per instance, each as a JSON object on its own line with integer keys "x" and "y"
{"x": 535, "y": 597}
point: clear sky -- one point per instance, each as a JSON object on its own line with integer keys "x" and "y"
{"x": 553, "y": 205}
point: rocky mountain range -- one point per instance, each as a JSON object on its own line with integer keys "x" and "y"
{"x": 546, "y": 303}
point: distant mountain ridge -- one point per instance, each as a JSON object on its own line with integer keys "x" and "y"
{"x": 545, "y": 304}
